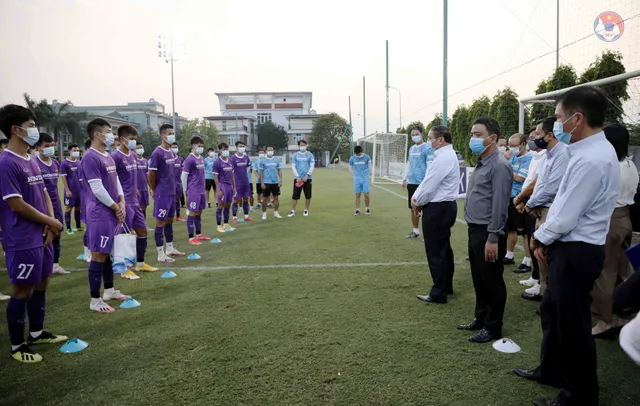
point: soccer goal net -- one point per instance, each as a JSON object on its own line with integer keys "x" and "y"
{"x": 388, "y": 154}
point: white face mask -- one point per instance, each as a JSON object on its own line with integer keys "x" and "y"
{"x": 269, "y": 153}
{"x": 109, "y": 139}
{"x": 225, "y": 153}
{"x": 48, "y": 152}
{"x": 241, "y": 150}
{"x": 303, "y": 148}
{"x": 212, "y": 154}
{"x": 199, "y": 150}
{"x": 171, "y": 138}
{"x": 140, "y": 151}
{"x": 416, "y": 138}
{"x": 175, "y": 150}
{"x": 75, "y": 154}
{"x": 260, "y": 155}
{"x": 515, "y": 151}
{"x": 502, "y": 149}
{"x": 33, "y": 136}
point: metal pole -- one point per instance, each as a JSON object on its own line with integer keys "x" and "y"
{"x": 521, "y": 118}
{"x": 557, "y": 33}
{"x": 444, "y": 65}
{"x": 236, "y": 126}
{"x": 387, "y": 59}
{"x": 173, "y": 98}
{"x": 400, "y": 97}
{"x": 350, "y": 129}
{"x": 364, "y": 107}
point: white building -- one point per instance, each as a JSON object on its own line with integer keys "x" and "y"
{"x": 299, "y": 128}
{"x": 235, "y": 128}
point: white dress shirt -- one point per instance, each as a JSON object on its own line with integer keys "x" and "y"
{"x": 536, "y": 160}
{"x": 630, "y": 339}
{"x": 442, "y": 181}
{"x": 581, "y": 211}
{"x": 628, "y": 183}
{"x": 550, "y": 176}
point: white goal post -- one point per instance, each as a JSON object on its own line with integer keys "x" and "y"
{"x": 388, "y": 152}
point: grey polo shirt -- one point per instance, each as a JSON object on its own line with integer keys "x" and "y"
{"x": 489, "y": 194}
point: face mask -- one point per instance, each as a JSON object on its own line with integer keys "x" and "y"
{"x": 502, "y": 150}
{"x": 225, "y": 153}
{"x": 212, "y": 154}
{"x": 32, "y": 135}
{"x": 175, "y": 150}
{"x": 269, "y": 153}
{"x": 75, "y": 154}
{"x": 416, "y": 138}
{"x": 429, "y": 144}
{"x": 241, "y": 150}
{"x": 303, "y": 148}
{"x": 477, "y": 145}
{"x": 541, "y": 143}
{"x": 109, "y": 139}
{"x": 531, "y": 144}
{"x": 515, "y": 151}
{"x": 48, "y": 152}
{"x": 140, "y": 151}
{"x": 199, "y": 150}
{"x": 171, "y": 139}
{"x": 558, "y": 131}
{"x": 131, "y": 144}
{"x": 260, "y": 155}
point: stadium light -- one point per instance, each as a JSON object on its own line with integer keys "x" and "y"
{"x": 170, "y": 47}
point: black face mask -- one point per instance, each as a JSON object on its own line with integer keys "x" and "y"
{"x": 532, "y": 145}
{"x": 541, "y": 143}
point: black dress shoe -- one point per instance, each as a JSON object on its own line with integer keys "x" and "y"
{"x": 546, "y": 402}
{"x": 608, "y": 334}
{"x": 473, "y": 326}
{"x": 483, "y": 336}
{"x": 522, "y": 269}
{"x": 429, "y": 299}
{"x": 508, "y": 261}
{"x": 529, "y": 296}
{"x": 529, "y": 374}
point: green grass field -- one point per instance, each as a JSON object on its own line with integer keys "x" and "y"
{"x": 316, "y": 310}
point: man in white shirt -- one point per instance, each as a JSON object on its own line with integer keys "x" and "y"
{"x": 436, "y": 197}
{"x": 572, "y": 242}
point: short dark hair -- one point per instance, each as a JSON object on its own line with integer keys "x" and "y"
{"x": 11, "y": 115}
{"x": 126, "y": 129}
{"x": 210, "y": 149}
{"x": 87, "y": 144}
{"x": 417, "y": 127}
{"x": 72, "y": 146}
{"x": 589, "y": 100}
{"x": 491, "y": 124}
{"x": 95, "y": 124}
{"x": 618, "y": 136}
{"x": 300, "y": 142}
{"x": 222, "y": 145}
{"x": 139, "y": 143}
{"x": 357, "y": 149}
{"x": 196, "y": 139}
{"x": 165, "y": 127}
{"x": 44, "y": 137}
{"x": 4, "y": 142}
{"x": 262, "y": 150}
{"x": 443, "y": 132}
{"x": 547, "y": 124}
{"x": 175, "y": 143}
{"x": 240, "y": 143}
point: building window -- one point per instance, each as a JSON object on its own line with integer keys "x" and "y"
{"x": 297, "y": 138}
{"x": 224, "y": 125}
{"x": 232, "y": 139}
{"x": 264, "y": 117}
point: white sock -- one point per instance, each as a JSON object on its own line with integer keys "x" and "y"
{"x": 198, "y": 235}
{"x": 109, "y": 291}
{"x": 35, "y": 334}
{"x": 235, "y": 218}
{"x": 246, "y": 216}
{"x": 275, "y": 212}
{"x": 160, "y": 250}
{"x": 416, "y": 230}
{"x": 169, "y": 246}
{"x": 56, "y": 265}
{"x": 225, "y": 225}
{"x": 293, "y": 211}
{"x": 140, "y": 264}
{"x": 509, "y": 255}
{"x": 95, "y": 300}
{"x": 526, "y": 261}
{"x": 15, "y": 347}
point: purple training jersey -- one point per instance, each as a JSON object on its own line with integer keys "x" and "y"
{"x": 194, "y": 168}
{"x": 127, "y": 170}
{"x": 224, "y": 170}
{"x": 177, "y": 164}
{"x": 21, "y": 177}
{"x": 97, "y": 167}
{"x": 240, "y": 166}
{"x": 162, "y": 161}
{"x": 50, "y": 173}
{"x": 141, "y": 177}
{"x": 69, "y": 169}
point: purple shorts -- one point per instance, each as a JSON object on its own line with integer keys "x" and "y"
{"x": 73, "y": 201}
{"x": 164, "y": 207}
{"x": 197, "y": 202}
{"x": 135, "y": 217}
{"x": 227, "y": 193}
{"x": 144, "y": 198}
{"x": 100, "y": 234}
{"x": 30, "y": 267}
{"x": 243, "y": 191}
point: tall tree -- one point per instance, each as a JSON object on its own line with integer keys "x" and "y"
{"x": 505, "y": 109}
{"x": 329, "y": 132}
{"x": 204, "y": 129}
{"x": 149, "y": 139}
{"x": 480, "y": 107}
{"x": 607, "y": 65}
{"x": 460, "y": 126}
{"x": 271, "y": 134}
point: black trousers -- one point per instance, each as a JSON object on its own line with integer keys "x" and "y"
{"x": 488, "y": 281}
{"x": 568, "y": 353}
{"x": 437, "y": 220}
{"x": 530, "y": 228}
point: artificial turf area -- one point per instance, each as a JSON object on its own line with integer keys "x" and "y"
{"x": 260, "y": 320}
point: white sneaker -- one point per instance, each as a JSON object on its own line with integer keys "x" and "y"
{"x": 534, "y": 290}
{"x": 57, "y": 269}
{"x": 529, "y": 282}
{"x": 264, "y": 215}
{"x": 164, "y": 258}
{"x": 113, "y": 294}
{"x": 277, "y": 215}
{"x": 98, "y": 305}
{"x": 291, "y": 213}
{"x": 306, "y": 213}
{"x": 4, "y": 297}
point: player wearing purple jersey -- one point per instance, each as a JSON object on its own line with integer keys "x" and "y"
{"x": 71, "y": 183}
{"x": 127, "y": 170}
{"x": 104, "y": 215}
{"x": 223, "y": 172}
{"x": 162, "y": 185}
{"x": 29, "y": 226}
{"x": 242, "y": 176}
{"x": 45, "y": 151}
{"x": 178, "y": 173}
{"x": 193, "y": 184}
{"x": 143, "y": 191}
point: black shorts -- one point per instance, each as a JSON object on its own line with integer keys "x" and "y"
{"x": 516, "y": 221}
{"x": 297, "y": 191}
{"x": 210, "y": 184}
{"x": 271, "y": 189}
{"x": 258, "y": 188}
{"x": 411, "y": 189}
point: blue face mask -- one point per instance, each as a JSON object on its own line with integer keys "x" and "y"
{"x": 558, "y": 131}
{"x": 477, "y": 145}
